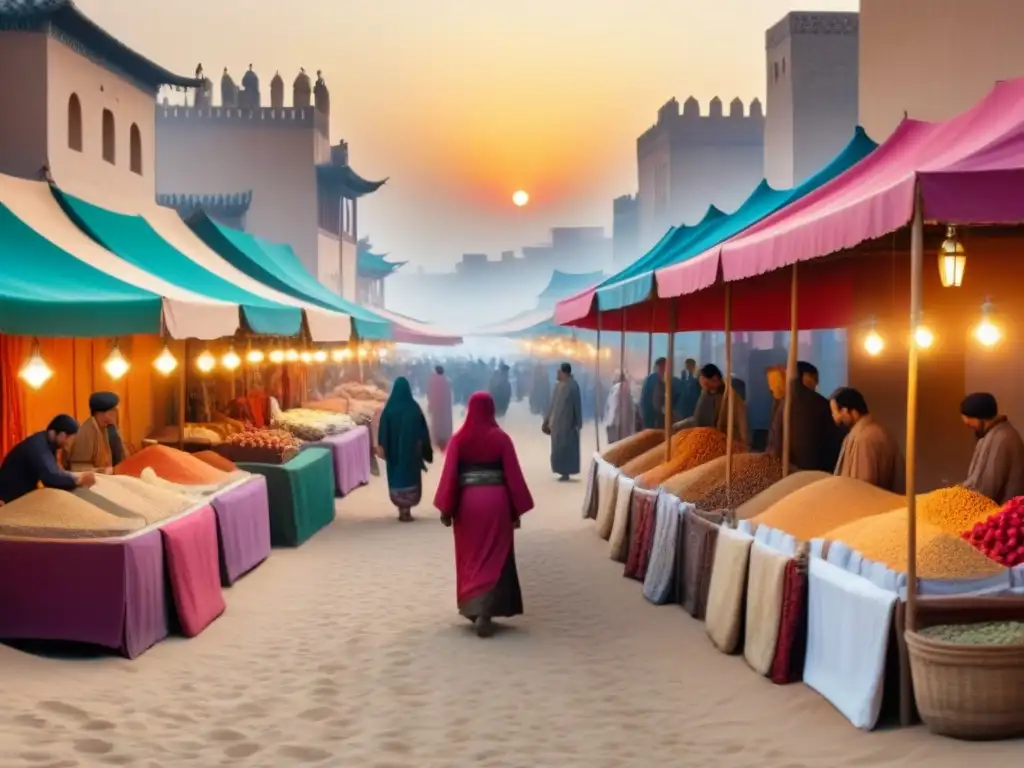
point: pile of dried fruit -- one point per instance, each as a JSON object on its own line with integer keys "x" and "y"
{"x": 705, "y": 486}
{"x": 940, "y": 555}
{"x": 274, "y": 440}
{"x": 690, "y": 448}
{"x": 982, "y": 633}
{"x": 1001, "y": 535}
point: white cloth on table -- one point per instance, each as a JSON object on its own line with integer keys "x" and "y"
{"x": 607, "y": 483}
{"x": 618, "y": 539}
{"x": 848, "y": 624}
{"x": 661, "y": 566}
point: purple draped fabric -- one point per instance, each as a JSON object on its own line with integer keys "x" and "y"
{"x": 351, "y": 452}
{"x": 243, "y": 525}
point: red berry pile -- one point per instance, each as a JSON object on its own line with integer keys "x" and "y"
{"x": 1001, "y": 536}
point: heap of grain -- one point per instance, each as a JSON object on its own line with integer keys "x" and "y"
{"x": 645, "y": 462}
{"x": 705, "y": 486}
{"x": 816, "y": 509}
{"x": 629, "y": 448}
{"x": 172, "y": 465}
{"x": 49, "y": 513}
{"x": 954, "y": 510}
{"x": 690, "y": 448}
{"x": 124, "y": 495}
{"x": 217, "y": 461}
{"x": 777, "y": 492}
{"x": 982, "y": 633}
{"x": 883, "y": 538}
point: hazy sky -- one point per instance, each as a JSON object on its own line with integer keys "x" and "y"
{"x": 461, "y": 102}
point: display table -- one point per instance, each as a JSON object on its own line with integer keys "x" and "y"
{"x": 193, "y": 568}
{"x": 351, "y": 454}
{"x": 243, "y": 524}
{"x": 106, "y": 592}
{"x": 301, "y": 494}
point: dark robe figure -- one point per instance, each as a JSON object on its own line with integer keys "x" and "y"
{"x": 815, "y": 439}
{"x": 997, "y": 466}
{"x": 98, "y": 445}
{"x": 481, "y": 496}
{"x": 563, "y": 423}
{"x": 652, "y": 397}
{"x": 689, "y": 394}
{"x": 501, "y": 390}
{"x": 404, "y": 443}
{"x": 34, "y": 461}
{"x": 540, "y": 393}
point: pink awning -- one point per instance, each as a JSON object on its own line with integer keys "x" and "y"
{"x": 575, "y": 307}
{"x": 970, "y": 170}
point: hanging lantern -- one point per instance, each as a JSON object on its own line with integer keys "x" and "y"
{"x": 35, "y": 372}
{"x": 254, "y": 356}
{"x": 206, "y": 362}
{"x": 306, "y": 357}
{"x": 952, "y": 260}
{"x": 338, "y": 355}
{"x": 291, "y": 356}
{"x": 277, "y": 356}
{"x": 231, "y": 360}
{"x": 320, "y": 356}
{"x": 165, "y": 362}
{"x": 987, "y": 332}
{"x": 115, "y": 365}
{"x": 923, "y": 337}
{"x": 363, "y": 354}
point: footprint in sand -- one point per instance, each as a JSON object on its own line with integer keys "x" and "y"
{"x": 64, "y": 710}
{"x": 304, "y": 754}
{"x": 93, "y": 746}
{"x": 316, "y": 714}
{"x": 32, "y": 721}
{"x": 37, "y": 757}
{"x": 98, "y": 725}
{"x": 245, "y": 749}
{"x": 225, "y": 734}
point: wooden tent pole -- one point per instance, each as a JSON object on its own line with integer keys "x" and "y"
{"x": 182, "y": 396}
{"x": 794, "y": 345}
{"x": 729, "y": 399}
{"x": 669, "y": 367}
{"x": 910, "y": 613}
{"x": 650, "y": 342}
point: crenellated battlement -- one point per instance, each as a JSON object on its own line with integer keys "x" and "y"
{"x": 288, "y": 117}
{"x": 741, "y": 124}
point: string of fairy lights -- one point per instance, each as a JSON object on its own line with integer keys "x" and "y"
{"x": 563, "y": 347}
{"x": 36, "y": 372}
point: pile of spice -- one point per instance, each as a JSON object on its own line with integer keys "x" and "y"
{"x": 777, "y": 492}
{"x": 940, "y": 555}
{"x": 981, "y": 633}
{"x": 690, "y": 448}
{"x": 705, "y": 486}
{"x": 54, "y": 514}
{"x": 818, "y": 508}
{"x": 217, "y": 461}
{"x": 171, "y": 464}
{"x": 954, "y": 510}
{"x": 629, "y": 448}
{"x": 645, "y": 462}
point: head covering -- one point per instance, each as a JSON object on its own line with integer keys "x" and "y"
{"x": 101, "y": 402}
{"x": 63, "y": 423}
{"x": 404, "y": 436}
{"x": 480, "y": 413}
{"x": 979, "y": 405}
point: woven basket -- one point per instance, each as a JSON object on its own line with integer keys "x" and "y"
{"x": 968, "y": 691}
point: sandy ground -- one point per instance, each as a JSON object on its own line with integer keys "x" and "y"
{"x": 349, "y": 652}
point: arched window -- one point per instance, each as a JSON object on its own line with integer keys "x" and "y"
{"x": 136, "y": 149}
{"x": 74, "y": 123}
{"x": 109, "y": 138}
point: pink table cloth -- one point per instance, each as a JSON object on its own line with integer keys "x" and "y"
{"x": 193, "y": 567}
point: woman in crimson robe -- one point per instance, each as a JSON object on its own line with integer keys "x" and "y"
{"x": 481, "y": 496}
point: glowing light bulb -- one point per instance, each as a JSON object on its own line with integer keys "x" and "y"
{"x": 320, "y": 356}
{"x": 115, "y": 365}
{"x": 988, "y": 333}
{"x": 206, "y": 362}
{"x": 363, "y": 353}
{"x": 277, "y": 356}
{"x": 165, "y": 362}
{"x": 382, "y": 353}
{"x": 923, "y": 337}
{"x": 306, "y": 357}
{"x": 35, "y": 372}
{"x": 873, "y": 343}
{"x": 338, "y": 355}
{"x": 231, "y": 360}
{"x": 291, "y": 356}
{"x": 254, "y": 356}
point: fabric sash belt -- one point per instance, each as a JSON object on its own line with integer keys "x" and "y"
{"x": 472, "y": 477}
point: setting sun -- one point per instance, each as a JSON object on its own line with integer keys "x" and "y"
{"x": 520, "y": 198}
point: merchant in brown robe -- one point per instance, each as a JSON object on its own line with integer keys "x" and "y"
{"x": 869, "y": 452}
{"x": 98, "y": 446}
{"x": 997, "y": 466}
{"x": 711, "y": 408}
